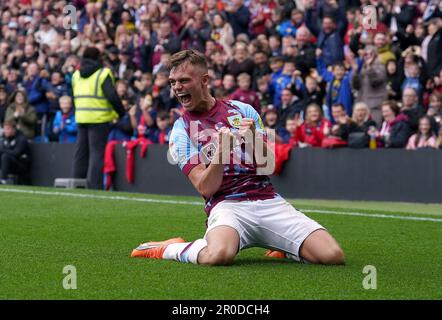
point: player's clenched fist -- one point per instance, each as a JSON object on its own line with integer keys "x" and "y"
{"x": 247, "y": 124}
{"x": 226, "y": 143}
{"x": 247, "y": 130}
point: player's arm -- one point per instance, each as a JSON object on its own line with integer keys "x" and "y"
{"x": 207, "y": 180}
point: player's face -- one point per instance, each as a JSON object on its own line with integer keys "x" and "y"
{"x": 188, "y": 83}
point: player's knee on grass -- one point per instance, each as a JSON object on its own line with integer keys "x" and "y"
{"x": 216, "y": 256}
{"x": 332, "y": 255}
{"x": 320, "y": 247}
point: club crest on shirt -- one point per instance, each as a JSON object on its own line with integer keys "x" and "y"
{"x": 235, "y": 120}
{"x": 208, "y": 151}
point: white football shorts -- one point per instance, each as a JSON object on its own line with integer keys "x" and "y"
{"x": 273, "y": 223}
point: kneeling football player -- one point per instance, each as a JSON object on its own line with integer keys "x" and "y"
{"x": 243, "y": 207}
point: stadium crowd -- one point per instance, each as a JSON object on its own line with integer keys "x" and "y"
{"x": 317, "y": 73}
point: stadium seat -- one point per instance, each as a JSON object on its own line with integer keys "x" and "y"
{"x": 70, "y": 183}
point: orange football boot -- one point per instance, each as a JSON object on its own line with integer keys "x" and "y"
{"x": 275, "y": 254}
{"x": 153, "y": 250}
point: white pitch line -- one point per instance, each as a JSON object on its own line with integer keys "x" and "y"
{"x": 196, "y": 203}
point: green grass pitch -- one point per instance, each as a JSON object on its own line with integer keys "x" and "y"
{"x": 42, "y": 232}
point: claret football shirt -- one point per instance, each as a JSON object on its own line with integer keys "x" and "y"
{"x": 192, "y": 143}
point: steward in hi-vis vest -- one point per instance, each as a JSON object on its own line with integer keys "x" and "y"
{"x": 97, "y": 105}
{"x": 91, "y": 105}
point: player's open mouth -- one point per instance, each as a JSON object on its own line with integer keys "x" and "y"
{"x": 184, "y": 98}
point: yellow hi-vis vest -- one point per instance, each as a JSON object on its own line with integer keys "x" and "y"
{"x": 91, "y": 106}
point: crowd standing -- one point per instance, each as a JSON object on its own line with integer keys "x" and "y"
{"x": 316, "y": 70}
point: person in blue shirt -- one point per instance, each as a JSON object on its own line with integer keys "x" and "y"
{"x": 338, "y": 85}
{"x": 280, "y": 81}
{"x": 64, "y": 125}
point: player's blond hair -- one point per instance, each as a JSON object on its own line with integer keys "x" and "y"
{"x": 192, "y": 57}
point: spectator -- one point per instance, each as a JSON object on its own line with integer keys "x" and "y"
{"x": 35, "y": 83}
{"x": 399, "y": 16}
{"x": 434, "y": 49}
{"x": 412, "y": 79}
{"x": 287, "y": 107}
{"x": 125, "y": 67}
{"x": 196, "y": 32}
{"x": 159, "y": 41}
{"x": 359, "y": 133}
{"x": 395, "y": 129}
{"x": 271, "y": 123}
{"x": 261, "y": 16}
{"x": 64, "y": 126}
{"x": 383, "y": 47}
{"x": 290, "y": 26}
{"x": 245, "y": 94}
{"x": 12, "y": 81}
{"x": 314, "y": 129}
{"x": 162, "y": 99}
{"x": 22, "y": 113}
{"x": 288, "y": 134}
{"x": 161, "y": 133}
{"x": 343, "y": 123}
{"x": 283, "y": 80}
{"x": 439, "y": 140}
{"x": 3, "y": 103}
{"x": 369, "y": 80}
{"x": 338, "y": 85}
{"x": 122, "y": 129}
{"x": 306, "y": 57}
{"x": 424, "y": 138}
{"x": 14, "y": 153}
{"x": 240, "y": 62}
{"x": 238, "y": 16}
{"x": 222, "y": 32}
{"x": 435, "y": 108}
{"x": 55, "y": 89}
{"x": 394, "y": 80}
{"x": 330, "y": 35}
{"x": 275, "y": 45}
{"x": 261, "y": 68}
{"x": 229, "y": 84}
{"x": 411, "y": 107}
{"x": 263, "y": 92}
{"x": 314, "y": 93}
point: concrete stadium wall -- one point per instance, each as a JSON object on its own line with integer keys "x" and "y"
{"x": 347, "y": 174}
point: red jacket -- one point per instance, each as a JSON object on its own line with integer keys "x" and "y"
{"x": 312, "y": 135}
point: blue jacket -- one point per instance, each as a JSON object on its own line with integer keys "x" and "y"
{"x": 279, "y": 81}
{"x": 414, "y": 83}
{"x": 287, "y": 28}
{"x": 333, "y": 95}
{"x": 60, "y": 90}
{"x": 36, "y": 91}
{"x": 331, "y": 44}
{"x": 69, "y": 133}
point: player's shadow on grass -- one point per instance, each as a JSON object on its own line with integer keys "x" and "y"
{"x": 263, "y": 261}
